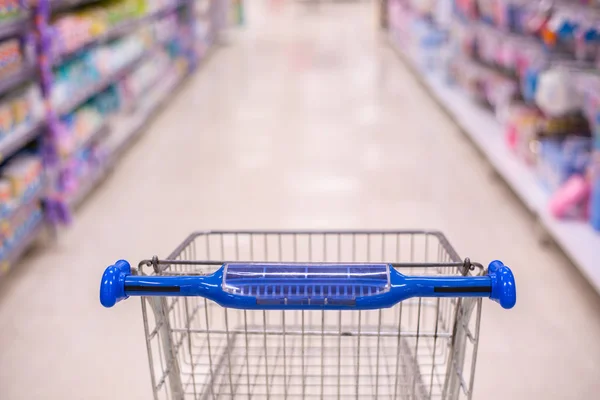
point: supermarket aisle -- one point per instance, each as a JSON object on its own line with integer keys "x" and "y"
{"x": 304, "y": 120}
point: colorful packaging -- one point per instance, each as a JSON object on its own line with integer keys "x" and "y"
{"x": 594, "y": 208}
{"x": 6, "y": 119}
{"x": 571, "y": 198}
{"x": 5, "y": 192}
{"x": 560, "y": 159}
{"x": 11, "y": 57}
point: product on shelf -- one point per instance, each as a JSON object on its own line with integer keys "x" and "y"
{"x": 11, "y": 57}
{"x": 77, "y": 128}
{"x": 72, "y": 30}
{"x": 21, "y": 183}
{"x": 560, "y": 159}
{"x": 416, "y": 32}
{"x": 202, "y": 35}
{"x": 19, "y": 109}
{"x": 23, "y": 173}
{"x": 80, "y": 171}
{"x": 9, "y": 9}
{"x": 134, "y": 85}
{"x": 77, "y": 76}
{"x": 555, "y": 94}
{"x": 535, "y": 64}
{"x": 108, "y": 102}
{"x": 551, "y": 53}
{"x": 522, "y": 123}
{"x": 165, "y": 28}
{"x": 594, "y": 209}
{"x": 571, "y": 198}
{"x": 15, "y": 233}
{"x": 107, "y": 57}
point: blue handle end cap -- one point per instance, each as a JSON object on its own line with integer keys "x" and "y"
{"x": 504, "y": 288}
{"x": 112, "y": 286}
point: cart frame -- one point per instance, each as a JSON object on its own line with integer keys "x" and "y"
{"x": 423, "y": 348}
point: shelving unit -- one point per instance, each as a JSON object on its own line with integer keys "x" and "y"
{"x": 21, "y": 219}
{"x": 117, "y": 31}
{"x": 125, "y": 130}
{"x": 14, "y": 26}
{"x": 94, "y": 89}
{"x": 25, "y": 74}
{"x": 32, "y": 194}
{"x": 128, "y": 128}
{"x": 91, "y": 182}
{"x": 26, "y": 242}
{"x": 63, "y": 5}
{"x": 23, "y": 135}
{"x": 577, "y": 239}
{"x": 98, "y": 134}
{"x": 116, "y": 134}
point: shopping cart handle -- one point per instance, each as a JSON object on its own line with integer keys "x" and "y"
{"x": 280, "y": 286}
{"x": 112, "y": 286}
{"x": 504, "y": 288}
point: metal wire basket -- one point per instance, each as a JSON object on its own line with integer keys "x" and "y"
{"x": 421, "y": 348}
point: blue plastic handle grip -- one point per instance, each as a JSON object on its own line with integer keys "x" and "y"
{"x": 310, "y": 286}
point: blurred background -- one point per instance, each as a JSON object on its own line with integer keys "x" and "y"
{"x": 125, "y": 125}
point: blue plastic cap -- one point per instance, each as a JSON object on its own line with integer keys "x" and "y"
{"x": 504, "y": 288}
{"x": 112, "y": 286}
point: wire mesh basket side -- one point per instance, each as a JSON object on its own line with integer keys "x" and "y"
{"x": 414, "y": 350}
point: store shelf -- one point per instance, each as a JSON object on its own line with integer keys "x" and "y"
{"x": 98, "y": 134}
{"x": 577, "y": 239}
{"x": 90, "y": 183}
{"x": 19, "y": 250}
{"x": 15, "y": 141}
{"x": 14, "y": 26}
{"x": 117, "y": 31}
{"x": 63, "y": 5}
{"x": 128, "y": 128}
{"x": 92, "y": 90}
{"x": 26, "y": 73}
{"x": 31, "y": 195}
{"x": 30, "y": 198}
{"x": 101, "y": 132}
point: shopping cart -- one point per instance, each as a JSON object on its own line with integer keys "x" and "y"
{"x": 328, "y": 315}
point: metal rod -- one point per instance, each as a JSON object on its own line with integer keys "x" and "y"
{"x": 395, "y": 265}
{"x": 266, "y": 357}
{"x": 285, "y": 379}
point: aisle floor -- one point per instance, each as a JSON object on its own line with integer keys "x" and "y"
{"x": 303, "y": 119}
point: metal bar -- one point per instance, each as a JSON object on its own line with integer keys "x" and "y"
{"x": 149, "y": 347}
{"x": 189, "y": 338}
{"x": 266, "y": 357}
{"x": 298, "y": 332}
{"x": 339, "y": 353}
{"x": 398, "y": 351}
{"x": 475, "y": 348}
{"x": 302, "y": 350}
{"x": 247, "y": 358}
{"x": 322, "y": 352}
{"x": 285, "y": 378}
{"x": 212, "y": 377}
{"x": 228, "y": 351}
{"x": 377, "y": 357}
{"x": 358, "y": 354}
{"x": 395, "y": 265}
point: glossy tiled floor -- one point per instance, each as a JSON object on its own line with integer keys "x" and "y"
{"x": 305, "y": 119}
